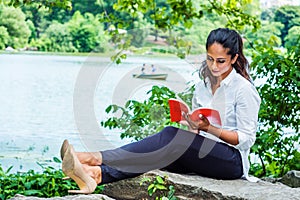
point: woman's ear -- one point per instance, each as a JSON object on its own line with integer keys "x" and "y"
{"x": 234, "y": 59}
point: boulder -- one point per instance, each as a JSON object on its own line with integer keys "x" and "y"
{"x": 198, "y": 188}
{"x": 192, "y": 187}
{"x": 292, "y": 179}
{"x": 70, "y": 197}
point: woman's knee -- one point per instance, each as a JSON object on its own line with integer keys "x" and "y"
{"x": 168, "y": 132}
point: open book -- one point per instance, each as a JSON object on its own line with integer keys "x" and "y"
{"x": 178, "y": 107}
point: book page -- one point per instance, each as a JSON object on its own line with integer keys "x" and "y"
{"x": 177, "y": 107}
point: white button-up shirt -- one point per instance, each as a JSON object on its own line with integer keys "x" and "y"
{"x": 238, "y": 102}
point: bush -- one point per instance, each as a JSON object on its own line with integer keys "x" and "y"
{"x": 279, "y": 121}
{"x": 46, "y": 184}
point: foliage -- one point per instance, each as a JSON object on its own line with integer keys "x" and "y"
{"x": 49, "y": 183}
{"x": 292, "y": 39}
{"x": 13, "y": 19}
{"x": 4, "y": 37}
{"x": 233, "y": 10}
{"x": 39, "y": 18}
{"x": 289, "y": 16}
{"x": 270, "y": 31}
{"x": 278, "y": 134}
{"x": 86, "y": 6}
{"x": 141, "y": 119}
{"x": 66, "y": 4}
{"x": 86, "y": 32}
{"x": 139, "y": 33}
{"x": 173, "y": 19}
{"x": 79, "y": 34}
{"x": 57, "y": 38}
{"x": 176, "y": 13}
{"x": 159, "y": 188}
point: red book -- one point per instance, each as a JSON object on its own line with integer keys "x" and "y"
{"x": 178, "y": 107}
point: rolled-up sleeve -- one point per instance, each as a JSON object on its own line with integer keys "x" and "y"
{"x": 247, "y": 110}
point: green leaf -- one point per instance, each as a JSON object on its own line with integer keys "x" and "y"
{"x": 31, "y": 192}
{"x": 161, "y": 187}
{"x": 151, "y": 186}
{"x": 8, "y": 170}
{"x": 57, "y": 160}
{"x": 159, "y": 180}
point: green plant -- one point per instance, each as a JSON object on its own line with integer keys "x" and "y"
{"x": 49, "y": 183}
{"x": 278, "y": 133}
{"x": 140, "y": 119}
{"x": 160, "y": 188}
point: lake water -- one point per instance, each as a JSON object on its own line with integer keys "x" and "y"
{"x": 47, "y": 98}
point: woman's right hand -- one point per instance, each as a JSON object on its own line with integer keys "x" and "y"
{"x": 192, "y": 126}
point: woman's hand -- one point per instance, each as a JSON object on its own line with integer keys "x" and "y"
{"x": 185, "y": 123}
{"x": 194, "y": 126}
{"x": 203, "y": 123}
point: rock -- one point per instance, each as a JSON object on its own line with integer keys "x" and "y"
{"x": 191, "y": 187}
{"x": 195, "y": 187}
{"x": 292, "y": 179}
{"x": 71, "y": 197}
{"x": 9, "y": 49}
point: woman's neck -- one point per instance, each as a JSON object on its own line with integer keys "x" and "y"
{"x": 214, "y": 87}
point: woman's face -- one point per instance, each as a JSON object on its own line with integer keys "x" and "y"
{"x": 218, "y": 61}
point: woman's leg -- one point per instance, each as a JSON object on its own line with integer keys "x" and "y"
{"x": 90, "y": 158}
{"x": 210, "y": 159}
{"x": 175, "y": 150}
{"x": 153, "y": 152}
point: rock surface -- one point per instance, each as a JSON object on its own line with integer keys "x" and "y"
{"x": 190, "y": 187}
{"x": 292, "y": 179}
{"x": 197, "y": 187}
{"x": 71, "y": 197}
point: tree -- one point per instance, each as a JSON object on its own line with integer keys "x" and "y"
{"x": 87, "y": 32}
{"x": 268, "y": 14}
{"x": 37, "y": 15}
{"x": 279, "y": 122}
{"x": 13, "y": 19}
{"x": 270, "y": 31}
{"x": 178, "y": 13}
{"x": 293, "y": 37}
{"x": 57, "y": 38}
{"x": 66, "y": 4}
{"x": 4, "y": 37}
{"x": 86, "y": 6}
{"x": 280, "y": 93}
{"x": 288, "y": 16}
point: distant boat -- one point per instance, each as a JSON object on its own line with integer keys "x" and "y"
{"x": 151, "y": 76}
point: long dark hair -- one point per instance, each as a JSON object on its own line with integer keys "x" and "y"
{"x": 232, "y": 41}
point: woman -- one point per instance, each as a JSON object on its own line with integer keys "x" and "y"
{"x": 206, "y": 149}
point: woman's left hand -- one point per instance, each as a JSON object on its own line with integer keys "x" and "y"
{"x": 203, "y": 123}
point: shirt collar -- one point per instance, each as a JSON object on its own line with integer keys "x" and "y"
{"x": 230, "y": 76}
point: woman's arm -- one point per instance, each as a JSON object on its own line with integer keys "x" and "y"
{"x": 203, "y": 124}
{"x": 230, "y": 137}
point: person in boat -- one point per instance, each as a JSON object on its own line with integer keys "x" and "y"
{"x": 153, "y": 69}
{"x": 204, "y": 149}
{"x": 143, "y": 68}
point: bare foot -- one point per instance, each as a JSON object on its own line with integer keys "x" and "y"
{"x": 90, "y": 158}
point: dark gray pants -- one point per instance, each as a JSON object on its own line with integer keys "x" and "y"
{"x": 175, "y": 150}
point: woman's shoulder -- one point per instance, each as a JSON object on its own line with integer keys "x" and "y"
{"x": 239, "y": 80}
{"x": 244, "y": 87}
